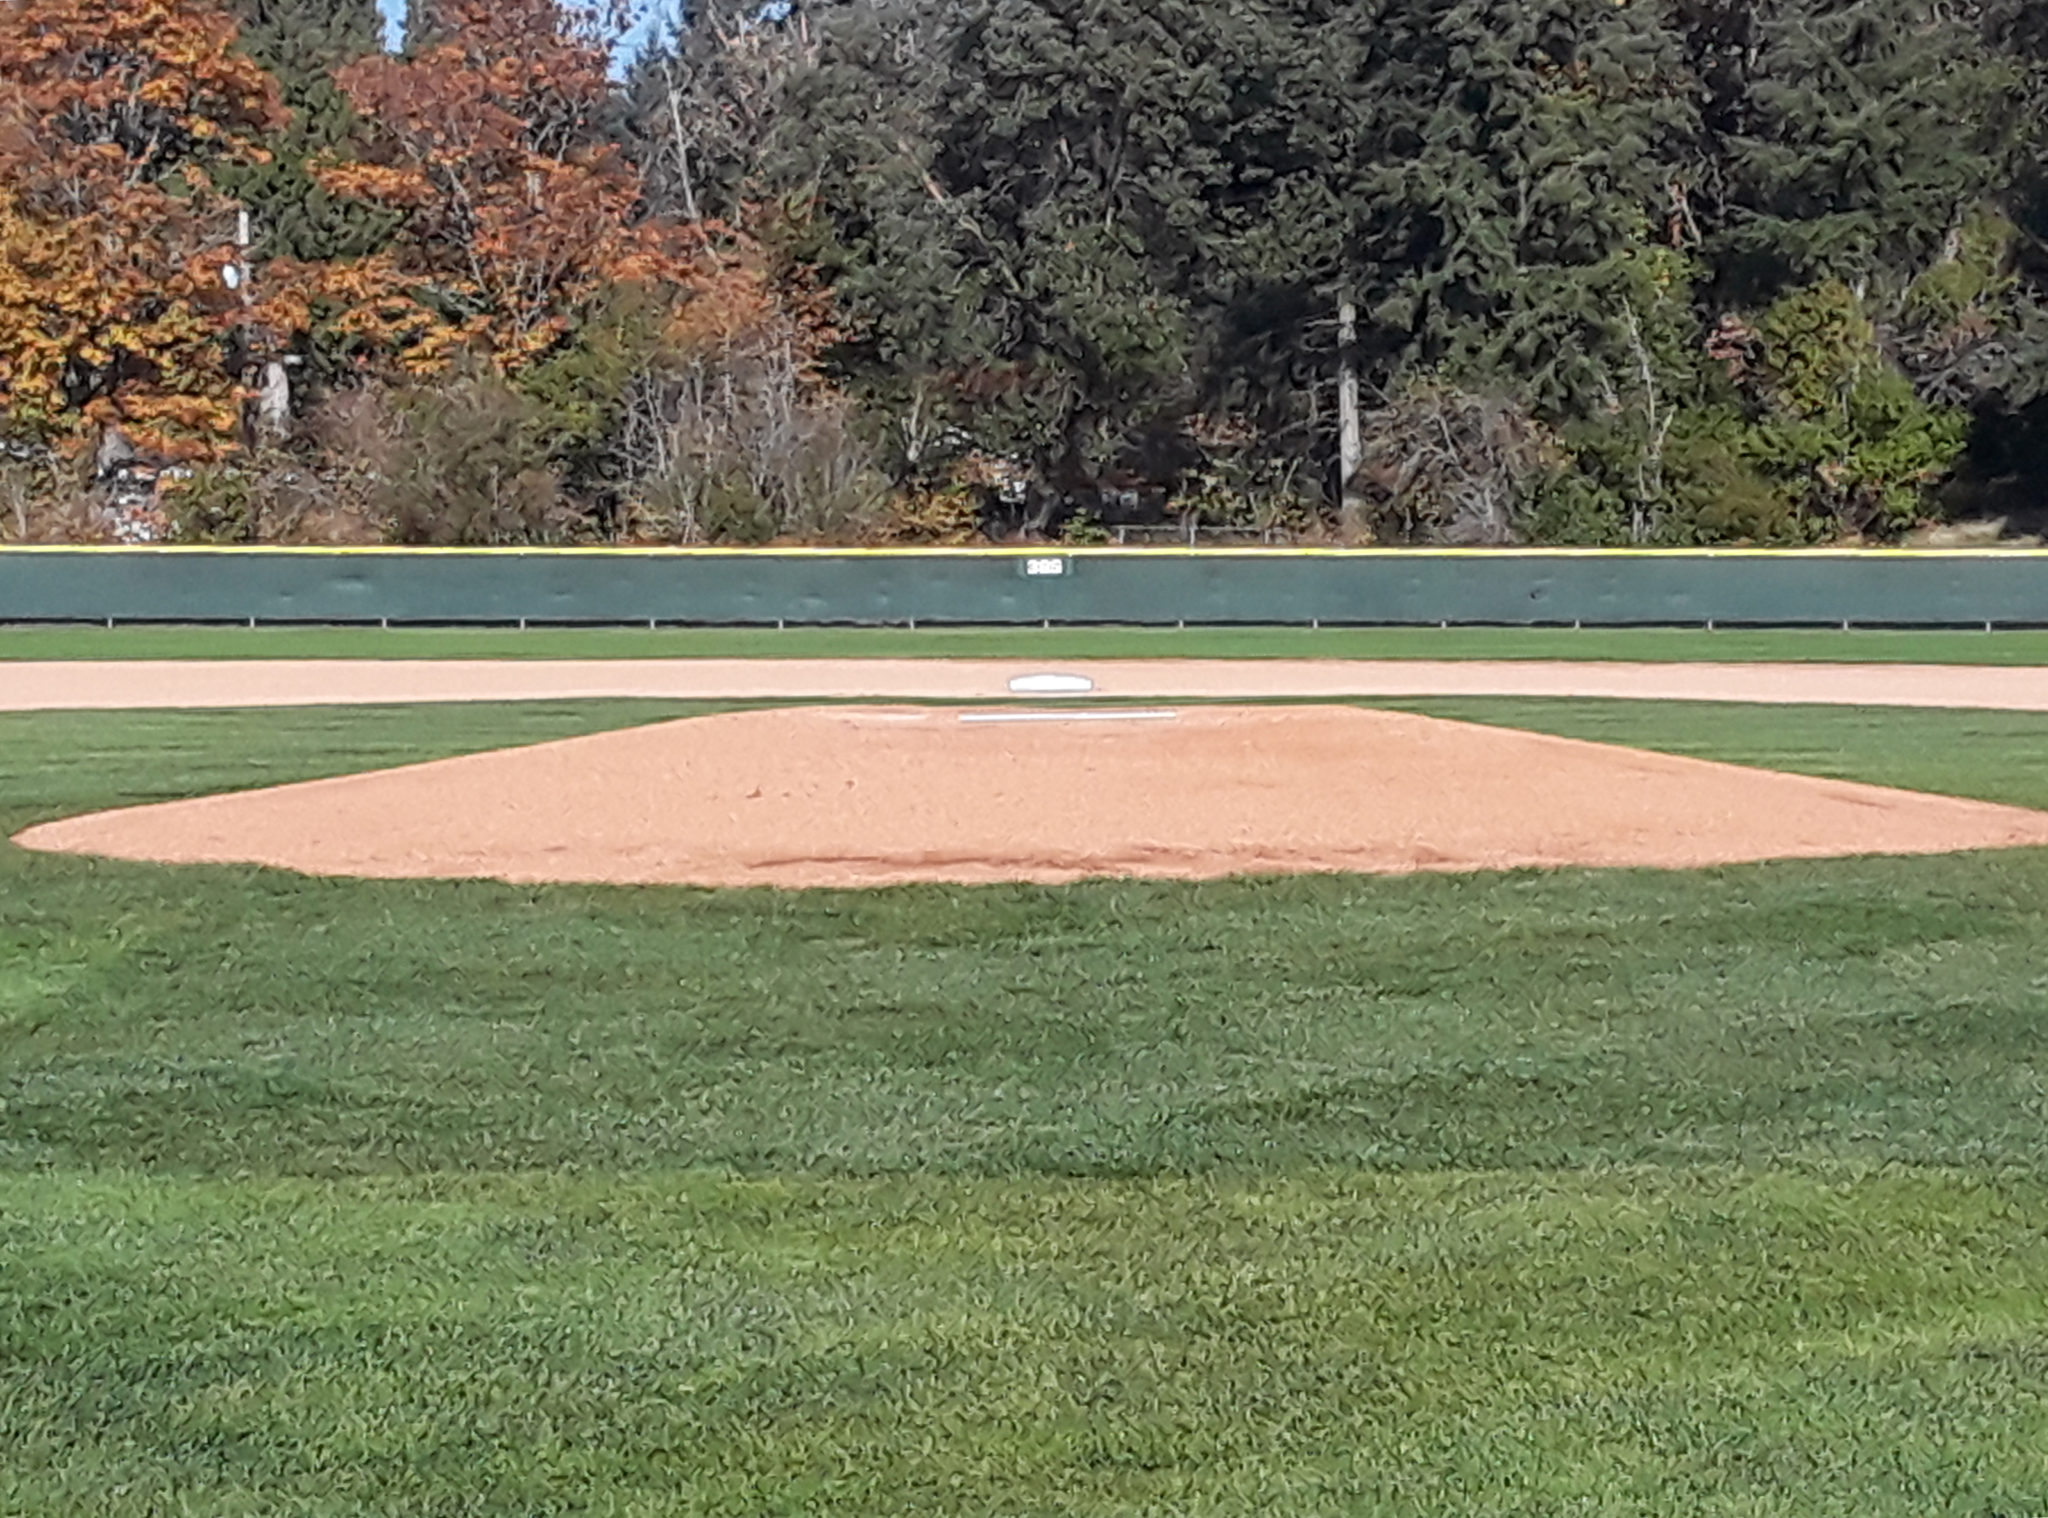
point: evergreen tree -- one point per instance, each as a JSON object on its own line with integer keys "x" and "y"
{"x": 1484, "y": 179}
{"x": 424, "y": 26}
{"x": 1680, "y": 269}
{"x": 2018, "y": 30}
{"x": 301, "y": 43}
{"x": 1081, "y": 226}
{"x": 1878, "y": 145}
{"x": 1851, "y": 138}
{"x": 1033, "y": 203}
{"x": 1523, "y": 154}
{"x": 1284, "y": 244}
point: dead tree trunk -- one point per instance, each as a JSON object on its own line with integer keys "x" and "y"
{"x": 1350, "y": 443}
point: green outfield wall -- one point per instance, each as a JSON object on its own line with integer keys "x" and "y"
{"x": 765, "y": 587}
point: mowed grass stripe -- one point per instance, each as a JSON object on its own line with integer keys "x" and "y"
{"x": 1634, "y": 1343}
{"x": 1882, "y": 1010}
{"x": 2006, "y": 646}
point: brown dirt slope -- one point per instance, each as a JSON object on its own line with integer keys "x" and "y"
{"x": 874, "y": 796}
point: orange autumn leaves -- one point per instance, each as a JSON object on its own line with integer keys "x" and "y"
{"x": 515, "y": 216}
{"x": 517, "y": 213}
{"x": 112, "y": 237}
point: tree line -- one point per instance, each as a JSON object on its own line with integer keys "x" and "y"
{"x": 1469, "y": 271}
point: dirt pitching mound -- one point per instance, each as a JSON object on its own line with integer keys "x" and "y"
{"x": 881, "y": 796}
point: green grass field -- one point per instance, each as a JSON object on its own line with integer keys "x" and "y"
{"x": 1574, "y": 1192}
{"x": 1689, "y": 645}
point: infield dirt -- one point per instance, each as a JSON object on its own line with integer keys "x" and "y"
{"x": 865, "y": 796}
{"x": 60, "y": 685}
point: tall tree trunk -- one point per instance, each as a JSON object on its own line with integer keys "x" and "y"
{"x": 274, "y": 403}
{"x": 1350, "y": 444}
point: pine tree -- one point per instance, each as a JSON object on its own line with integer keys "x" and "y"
{"x": 1289, "y": 263}
{"x": 852, "y": 157}
{"x": 301, "y": 43}
{"x": 1032, "y": 202}
{"x": 1853, "y": 138}
{"x": 1522, "y": 152}
{"x": 425, "y": 25}
{"x": 703, "y": 104}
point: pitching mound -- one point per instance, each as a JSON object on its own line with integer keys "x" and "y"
{"x": 877, "y": 796}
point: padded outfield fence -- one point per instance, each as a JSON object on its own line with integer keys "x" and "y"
{"x": 994, "y": 587}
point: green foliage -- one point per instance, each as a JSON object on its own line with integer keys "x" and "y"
{"x": 1064, "y": 239}
{"x": 1862, "y": 136}
{"x": 1813, "y": 431}
{"x": 470, "y": 462}
{"x": 1818, "y": 346}
{"x": 1084, "y": 531}
{"x": 214, "y": 504}
{"x": 1721, "y": 494}
{"x": 1014, "y": 223}
{"x": 1708, "y": 490}
{"x": 1974, "y": 275}
{"x": 302, "y": 42}
{"x": 1248, "y": 489}
{"x": 1842, "y": 422}
{"x": 1080, "y": 230}
{"x": 1511, "y": 239}
{"x": 720, "y": 505}
{"x": 1629, "y": 475}
{"x": 1572, "y": 507}
{"x": 43, "y": 499}
{"x": 582, "y": 386}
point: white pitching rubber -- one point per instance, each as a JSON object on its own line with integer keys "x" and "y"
{"x": 1051, "y": 685}
{"x": 1093, "y": 716}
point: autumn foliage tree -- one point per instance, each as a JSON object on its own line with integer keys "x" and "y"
{"x": 114, "y": 117}
{"x": 1667, "y": 271}
{"x": 528, "y": 263}
{"x": 518, "y": 215}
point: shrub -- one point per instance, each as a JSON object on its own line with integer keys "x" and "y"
{"x": 300, "y": 495}
{"x": 42, "y": 500}
{"x": 469, "y": 463}
{"x": 744, "y": 448}
{"x": 1842, "y": 428}
{"x": 947, "y": 512}
{"x": 1447, "y": 465}
{"x": 216, "y": 503}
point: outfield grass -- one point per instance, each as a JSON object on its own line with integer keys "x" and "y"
{"x": 1993, "y": 756}
{"x": 1607, "y": 1192}
{"x": 1704, "y": 1343}
{"x": 1675, "y": 645}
